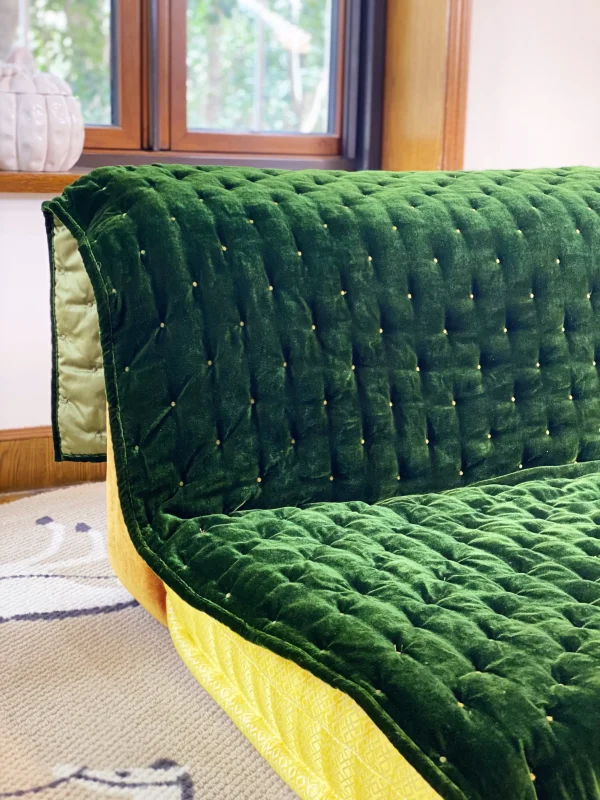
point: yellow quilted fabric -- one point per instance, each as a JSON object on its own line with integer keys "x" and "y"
{"x": 315, "y": 737}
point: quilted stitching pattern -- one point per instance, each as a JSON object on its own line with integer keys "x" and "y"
{"x": 78, "y": 366}
{"x": 472, "y": 619}
{"x": 334, "y": 336}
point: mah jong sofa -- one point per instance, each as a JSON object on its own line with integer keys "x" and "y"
{"x": 355, "y": 458}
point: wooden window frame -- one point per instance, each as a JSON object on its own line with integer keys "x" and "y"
{"x": 412, "y": 119}
{"x": 426, "y": 81}
{"x": 126, "y": 135}
{"x": 355, "y": 143}
{"x": 288, "y": 144}
{"x": 457, "y": 77}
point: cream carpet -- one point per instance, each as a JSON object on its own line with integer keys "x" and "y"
{"x": 94, "y": 701}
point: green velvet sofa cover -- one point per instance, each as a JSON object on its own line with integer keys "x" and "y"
{"x": 357, "y": 415}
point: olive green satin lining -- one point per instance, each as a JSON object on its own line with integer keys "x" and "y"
{"x": 80, "y": 396}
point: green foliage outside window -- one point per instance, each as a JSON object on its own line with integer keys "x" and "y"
{"x": 252, "y": 64}
{"x": 71, "y": 38}
{"x": 249, "y": 70}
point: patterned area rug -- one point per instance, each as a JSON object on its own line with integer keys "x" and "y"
{"x": 94, "y": 701}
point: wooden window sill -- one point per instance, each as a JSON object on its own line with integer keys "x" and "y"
{"x": 91, "y": 159}
{"x": 36, "y": 182}
{"x": 55, "y": 182}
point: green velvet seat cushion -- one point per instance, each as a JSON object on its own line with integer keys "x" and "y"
{"x": 467, "y": 623}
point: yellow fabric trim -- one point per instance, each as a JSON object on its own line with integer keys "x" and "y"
{"x": 82, "y": 399}
{"x": 315, "y": 737}
{"x": 130, "y": 568}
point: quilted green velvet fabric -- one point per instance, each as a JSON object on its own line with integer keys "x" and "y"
{"x": 275, "y": 339}
{"x": 466, "y": 623}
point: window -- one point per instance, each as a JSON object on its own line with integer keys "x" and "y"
{"x": 95, "y": 46}
{"x": 233, "y": 80}
{"x": 261, "y": 76}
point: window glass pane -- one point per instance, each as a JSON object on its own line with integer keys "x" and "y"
{"x": 260, "y": 65}
{"x": 74, "y": 40}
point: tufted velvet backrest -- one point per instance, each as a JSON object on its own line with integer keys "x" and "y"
{"x": 276, "y": 338}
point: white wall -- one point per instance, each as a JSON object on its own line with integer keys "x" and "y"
{"x": 534, "y": 84}
{"x": 24, "y": 313}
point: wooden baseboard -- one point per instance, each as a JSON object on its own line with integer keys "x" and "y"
{"x": 10, "y": 497}
{"x": 27, "y": 462}
{"x": 16, "y": 434}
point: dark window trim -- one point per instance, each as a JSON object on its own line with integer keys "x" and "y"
{"x": 369, "y": 128}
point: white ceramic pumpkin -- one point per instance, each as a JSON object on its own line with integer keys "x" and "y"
{"x": 41, "y": 126}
